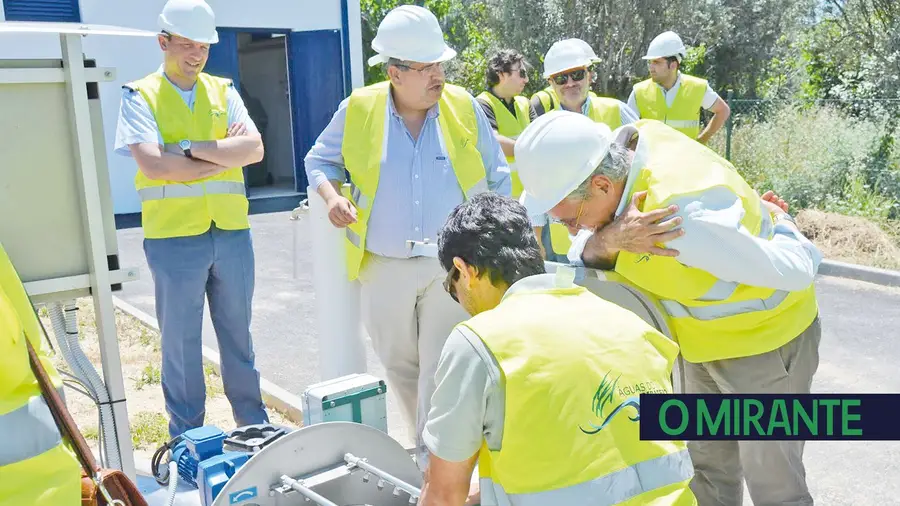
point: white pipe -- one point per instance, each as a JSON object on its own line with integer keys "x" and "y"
{"x": 173, "y": 482}
{"x": 65, "y": 326}
{"x": 341, "y": 346}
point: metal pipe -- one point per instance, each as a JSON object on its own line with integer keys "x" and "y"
{"x": 393, "y": 480}
{"x": 305, "y": 491}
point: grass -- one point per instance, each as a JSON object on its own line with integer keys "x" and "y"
{"x": 151, "y": 375}
{"x": 149, "y": 429}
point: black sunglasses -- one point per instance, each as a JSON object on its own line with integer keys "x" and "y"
{"x": 576, "y": 75}
{"x": 448, "y": 283}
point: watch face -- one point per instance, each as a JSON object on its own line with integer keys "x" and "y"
{"x": 185, "y": 144}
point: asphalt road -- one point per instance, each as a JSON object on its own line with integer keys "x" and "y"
{"x": 860, "y": 352}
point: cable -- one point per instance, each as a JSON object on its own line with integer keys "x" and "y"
{"x": 156, "y": 461}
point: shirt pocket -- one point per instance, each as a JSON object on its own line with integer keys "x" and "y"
{"x": 442, "y": 165}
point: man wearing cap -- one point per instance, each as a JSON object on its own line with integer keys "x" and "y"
{"x": 673, "y": 97}
{"x": 414, "y": 147}
{"x": 518, "y": 383}
{"x": 731, "y": 269}
{"x": 190, "y": 135}
{"x": 567, "y": 67}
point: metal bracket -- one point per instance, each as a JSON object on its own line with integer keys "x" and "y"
{"x": 384, "y": 477}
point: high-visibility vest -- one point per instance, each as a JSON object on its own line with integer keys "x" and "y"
{"x": 510, "y": 126}
{"x": 684, "y": 115}
{"x": 36, "y": 465}
{"x": 174, "y": 209}
{"x": 362, "y": 152}
{"x": 572, "y": 367}
{"x": 602, "y": 110}
{"x": 713, "y": 319}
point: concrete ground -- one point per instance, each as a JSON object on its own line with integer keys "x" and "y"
{"x": 859, "y": 352}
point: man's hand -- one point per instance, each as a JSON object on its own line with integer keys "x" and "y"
{"x": 340, "y": 211}
{"x": 236, "y": 130}
{"x": 774, "y": 203}
{"x": 633, "y": 231}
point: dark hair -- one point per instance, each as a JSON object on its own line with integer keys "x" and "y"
{"x": 501, "y": 62}
{"x": 492, "y": 233}
{"x": 672, "y": 59}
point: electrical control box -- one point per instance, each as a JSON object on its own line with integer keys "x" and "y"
{"x": 360, "y": 398}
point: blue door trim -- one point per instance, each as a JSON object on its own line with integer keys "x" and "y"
{"x": 345, "y": 42}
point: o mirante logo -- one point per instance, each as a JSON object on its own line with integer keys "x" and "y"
{"x": 860, "y": 417}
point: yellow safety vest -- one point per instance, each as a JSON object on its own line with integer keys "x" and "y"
{"x": 684, "y": 115}
{"x": 36, "y": 465}
{"x": 713, "y": 319}
{"x": 572, "y": 368}
{"x": 510, "y": 126}
{"x": 362, "y": 151}
{"x": 174, "y": 209}
{"x": 602, "y": 110}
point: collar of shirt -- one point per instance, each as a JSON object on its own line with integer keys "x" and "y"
{"x": 674, "y": 87}
{"x": 431, "y": 114}
{"x": 585, "y": 109}
{"x": 564, "y": 277}
{"x": 641, "y": 155}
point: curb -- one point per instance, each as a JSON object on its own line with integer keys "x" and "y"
{"x": 859, "y": 272}
{"x": 273, "y": 395}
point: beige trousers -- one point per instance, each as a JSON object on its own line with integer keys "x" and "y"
{"x": 773, "y": 470}
{"x": 408, "y": 315}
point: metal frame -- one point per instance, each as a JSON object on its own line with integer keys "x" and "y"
{"x": 98, "y": 281}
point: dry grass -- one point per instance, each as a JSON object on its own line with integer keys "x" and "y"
{"x": 140, "y": 353}
{"x": 852, "y": 239}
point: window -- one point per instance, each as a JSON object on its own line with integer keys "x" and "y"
{"x": 42, "y": 10}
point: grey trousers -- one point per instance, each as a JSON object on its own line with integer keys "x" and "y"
{"x": 773, "y": 470}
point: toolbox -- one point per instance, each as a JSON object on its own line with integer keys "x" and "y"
{"x": 360, "y": 398}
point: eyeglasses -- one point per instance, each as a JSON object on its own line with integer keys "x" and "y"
{"x": 567, "y": 222}
{"x": 430, "y": 68}
{"x": 448, "y": 283}
{"x": 576, "y": 75}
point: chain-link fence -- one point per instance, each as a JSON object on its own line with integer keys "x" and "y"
{"x": 841, "y": 155}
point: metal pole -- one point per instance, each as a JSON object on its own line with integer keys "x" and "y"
{"x": 729, "y": 125}
{"x": 101, "y": 291}
{"x": 341, "y": 347}
{"x": 393, "y": 480}
{"x": 306, "y": 491}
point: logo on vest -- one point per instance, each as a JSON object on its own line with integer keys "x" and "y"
{"x": 216, "y": 113}
{"x": 642, "y": 258}
{"x": 604, "y": 397}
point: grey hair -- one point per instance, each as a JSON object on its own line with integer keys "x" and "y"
{"x": 393, "y": 62}
{"x": 614, "y": 165}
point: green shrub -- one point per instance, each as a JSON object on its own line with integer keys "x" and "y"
{"x": 815, "y": 157}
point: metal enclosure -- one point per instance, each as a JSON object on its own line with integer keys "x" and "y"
{"x": 58, "y": 224}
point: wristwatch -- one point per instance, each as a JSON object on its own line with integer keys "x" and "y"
{"x": 785, "y": 217}
{"x": 185, "y": 146}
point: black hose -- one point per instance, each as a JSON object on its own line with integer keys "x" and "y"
{"x": 156, "y": 461}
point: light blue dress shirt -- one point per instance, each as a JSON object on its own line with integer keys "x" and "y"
{"x": 417, "y": 187}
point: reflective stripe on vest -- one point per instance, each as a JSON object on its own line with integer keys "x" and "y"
{"x": 722, "y": 290}
{"x": 30, "y": 431}
{"x": 175, "y": 191}
{"x": 364, "y": 142}
{"x": 191, "y": 210}
{"x": 683, "y": 123}
{"x": 614, "y": 488}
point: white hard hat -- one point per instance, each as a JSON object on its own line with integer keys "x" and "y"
{"x": 568, "y": 54}
{"x": 555, "y": 154}
{"x": 191, "y": 19}
{"x": 410, "y": 33}
{"x": 664, "y": 45}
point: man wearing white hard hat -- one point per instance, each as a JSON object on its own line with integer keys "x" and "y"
{"x": 191, "y": 136}
{"x": 567, "y": 68}
{"x": 674, "y": 97}
{"x": 414, "y": 147}
{"x": 730, "y": 267}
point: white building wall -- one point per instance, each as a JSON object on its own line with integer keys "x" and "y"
{"x": 135, "y": 57}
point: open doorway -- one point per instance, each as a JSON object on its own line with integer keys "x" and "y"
{"x": 265, "y": 89}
